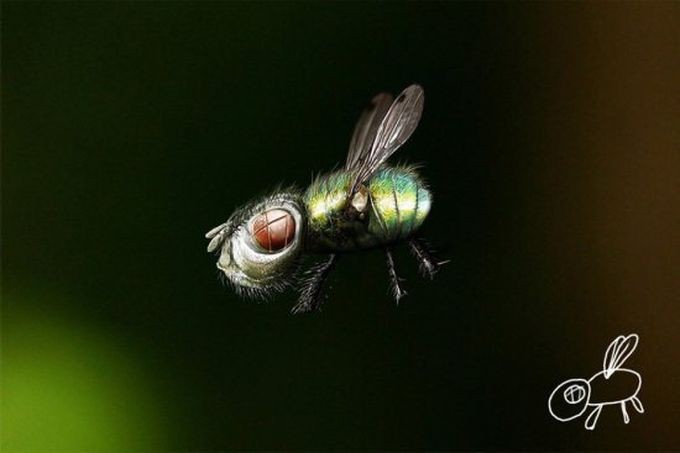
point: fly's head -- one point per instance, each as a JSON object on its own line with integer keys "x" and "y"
{"x": 260, "y": 244}
{"x": 569, "y": 399}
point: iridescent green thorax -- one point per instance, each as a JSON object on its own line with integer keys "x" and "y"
{"x": 325, "y": 198}
{"x": 398, "y": 203}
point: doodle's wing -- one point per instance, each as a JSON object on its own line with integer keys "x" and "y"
{"x": 618, "y": 352}
{"x": 395, "y": 128}
{"x": 365, "y": 130}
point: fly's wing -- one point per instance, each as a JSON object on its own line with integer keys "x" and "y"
{"x": 395, "y": 128}
{"x": 366, "y": 128}
{"x": 618, "y": 352}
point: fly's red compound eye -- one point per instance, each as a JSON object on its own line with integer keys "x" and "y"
{"x": 273, "y": 230}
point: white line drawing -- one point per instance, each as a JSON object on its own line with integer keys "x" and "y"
{"x": 577, "y": 392}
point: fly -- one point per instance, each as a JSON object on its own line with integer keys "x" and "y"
{"x": 368, "y": 204}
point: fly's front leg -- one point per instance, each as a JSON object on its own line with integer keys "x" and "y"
{"x": 397, "y": 291}
{"x": 426, "y": 262}
{"x": 591, "y": 421}
{"x": 313, "y": 280}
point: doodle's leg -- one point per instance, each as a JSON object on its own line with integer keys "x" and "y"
{"x": 637, "y": 404}
{"x": 313, "y": 280}
{"x": 397, "y": 291}
{"x": 626, "y": 418}
{"x": 591, "y": 421}
{"x": 426, "y": 262}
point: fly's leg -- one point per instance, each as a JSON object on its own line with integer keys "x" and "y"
{"x": 313, "y": 280}
{"x": 637, "y": 404}
{"x": 626, "y": 418}
{"x": 591, "y": 421}
{"x": 426, "y": 262}
{"x": 397, "y": 291}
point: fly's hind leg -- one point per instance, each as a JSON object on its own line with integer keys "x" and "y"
{"x": 637, "y": 404}
{"x": 312, "y": 284}
{"x": 426, "y": 262}
{"x": 397, "y": 291}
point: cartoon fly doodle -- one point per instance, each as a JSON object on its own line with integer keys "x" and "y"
{"x": 368, "y": 204}
{"x": 572, "y": 397}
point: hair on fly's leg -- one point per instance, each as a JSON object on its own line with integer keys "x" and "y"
{"x": 397, "y": 291}
{"x": 311, "y": 284}
{"x": 427, "y": 263}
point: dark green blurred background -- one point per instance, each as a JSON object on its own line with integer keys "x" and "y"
{"x": 550, "y": 139}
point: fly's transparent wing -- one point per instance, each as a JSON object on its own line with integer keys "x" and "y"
{"x": 365, "y": 130}
{"x": 618, "y": 352}
{"x": 396, "y": 127}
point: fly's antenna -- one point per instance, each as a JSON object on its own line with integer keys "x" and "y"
{"x": 216, "y": 236}
{"x": 618, "y": 352}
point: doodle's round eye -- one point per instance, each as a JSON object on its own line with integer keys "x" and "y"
{"x": 574, "y": 394}
{"x": 273, "y": 230}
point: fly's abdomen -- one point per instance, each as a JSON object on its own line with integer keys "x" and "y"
{"x": 400, "y": 203}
